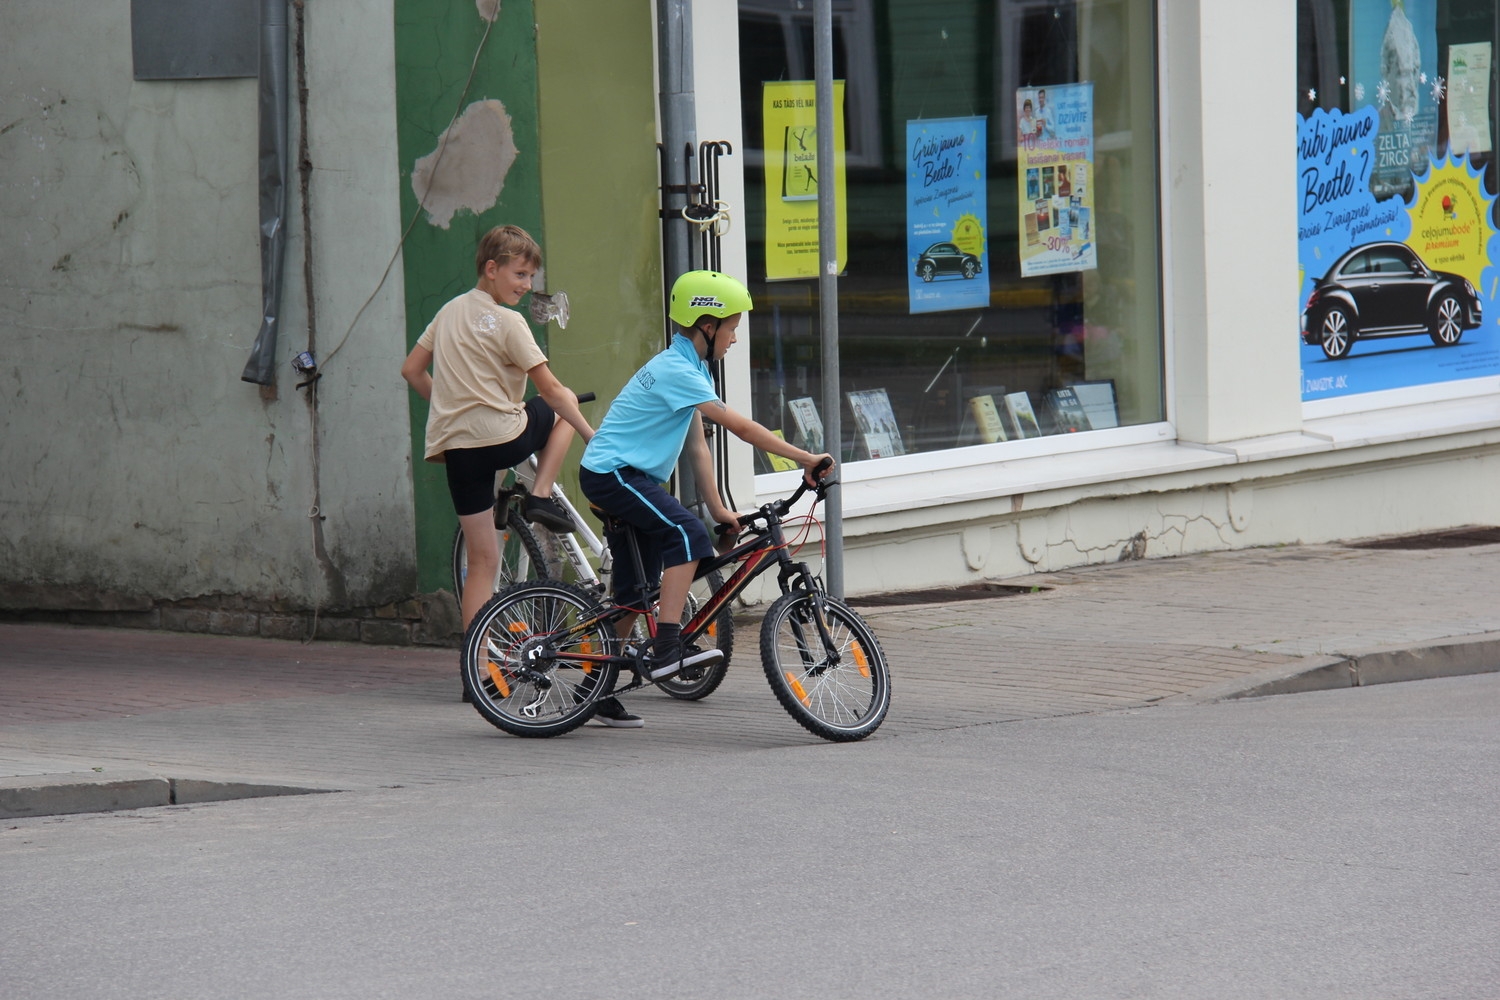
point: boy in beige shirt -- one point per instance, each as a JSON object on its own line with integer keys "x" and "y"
{"x": 481, "y": 352}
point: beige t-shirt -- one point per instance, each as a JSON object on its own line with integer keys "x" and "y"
{"x": 481, "y": 352}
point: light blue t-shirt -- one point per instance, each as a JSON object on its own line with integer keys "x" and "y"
{"x": 648, "y": 422}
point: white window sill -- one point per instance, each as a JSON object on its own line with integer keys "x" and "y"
{"x": 990, "y": 472}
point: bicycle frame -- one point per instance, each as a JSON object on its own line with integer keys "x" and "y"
{"x": 755, "y": 557}
{"x": 577, "y": 557}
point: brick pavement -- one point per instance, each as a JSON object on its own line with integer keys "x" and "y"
{"x": 357, "y": 716}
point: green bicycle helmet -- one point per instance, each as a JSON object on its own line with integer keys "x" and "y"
{"x": 707, "y": 293}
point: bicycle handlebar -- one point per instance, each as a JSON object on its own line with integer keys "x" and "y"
{"x": 780, "y": 507}
{"x": 586, "y": 397}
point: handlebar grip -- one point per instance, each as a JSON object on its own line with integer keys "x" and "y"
{"x": 724, "y": 530}
{"x": 586, "y": 397}
{"x": 822, "y": 467}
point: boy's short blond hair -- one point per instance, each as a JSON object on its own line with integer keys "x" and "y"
{"x": 504, "y": 243}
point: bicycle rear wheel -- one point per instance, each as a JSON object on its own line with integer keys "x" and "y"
{"x": 521, "y": 555}
{"x": 840, "y": 691}
{"x": 514, "y": 658}
{"x": 719, "y": 635}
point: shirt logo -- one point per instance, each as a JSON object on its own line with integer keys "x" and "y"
{"x": 705, "y": 302}
{"x": 646, "y": 379}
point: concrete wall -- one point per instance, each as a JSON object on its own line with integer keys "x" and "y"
{"x": 139, "y": 469}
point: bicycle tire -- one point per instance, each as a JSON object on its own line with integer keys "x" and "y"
{"x": 521, "y": 555}
{"x": 719, "y": 635}
{"x": 536, "y": 698}
{"x": 841, "y": 701}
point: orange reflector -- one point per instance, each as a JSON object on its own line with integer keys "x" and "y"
{"x": 498, "y": 677}
{"x": 713, "y": 629}
{"x": 586, "y": 647}
{"x": 797, "y": 689}
{"x": 860, "y": 659}
{"x": 517, "y": 627}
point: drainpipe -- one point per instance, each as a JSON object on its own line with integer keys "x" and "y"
{"x": 260, "y": 369}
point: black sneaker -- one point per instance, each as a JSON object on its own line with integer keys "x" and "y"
{"x": 611, "y": 713}
{"x": 672, "y": 658}
{"x": 548, "y": 513}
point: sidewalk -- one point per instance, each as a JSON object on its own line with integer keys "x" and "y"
{"x": 96, "y": 719}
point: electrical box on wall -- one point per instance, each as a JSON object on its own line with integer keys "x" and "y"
{"x": 195, "y": 39}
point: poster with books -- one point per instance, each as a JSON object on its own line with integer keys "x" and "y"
{"x": 1018, "y": 405}
{"x": 808, "y": 423}
{"x": 877, "y": 423}
{"x": 987, "y": 419}
{"x": 1068, "y": 416}
{"x": 1054, "y": 163}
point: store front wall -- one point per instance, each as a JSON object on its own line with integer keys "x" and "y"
{"x": 1191, "y": 191}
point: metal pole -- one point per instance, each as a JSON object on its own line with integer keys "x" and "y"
{"x": 828, "y": 286}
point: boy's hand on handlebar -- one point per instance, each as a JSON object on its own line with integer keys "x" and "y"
{"x": 726, "y": 533}
{"x": 816, "y": 468}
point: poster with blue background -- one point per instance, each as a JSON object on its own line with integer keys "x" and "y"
{"x": 1396, "y": 286}
{"x": 947, "y": 263}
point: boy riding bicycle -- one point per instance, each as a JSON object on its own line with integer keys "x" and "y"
{"x": 658, "y": 417}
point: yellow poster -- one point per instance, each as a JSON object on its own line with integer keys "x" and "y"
{"x": 1450, "y": 213}
{"x": 793, "y": 173}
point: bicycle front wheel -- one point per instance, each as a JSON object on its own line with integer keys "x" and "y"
{"x": 839, "y": 689}
{"x": 521, "y": 556}
{"x": 719, "y": 635}
{"x": 516, "y": 664}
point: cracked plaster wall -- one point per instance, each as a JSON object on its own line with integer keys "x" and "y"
{"x": 136, "y": 460}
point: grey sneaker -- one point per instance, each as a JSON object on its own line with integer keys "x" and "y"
{"x": 672, "y": 658}
{"x": 611, "y": 713}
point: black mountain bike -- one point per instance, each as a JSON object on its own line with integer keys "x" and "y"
{"x": 539, "y": 655}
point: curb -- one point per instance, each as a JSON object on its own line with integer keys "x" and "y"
{"x": 1478, "y": 654}
{"x": 87, "y": 791}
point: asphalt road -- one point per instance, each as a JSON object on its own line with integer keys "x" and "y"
{"x": 1338, "y": 844}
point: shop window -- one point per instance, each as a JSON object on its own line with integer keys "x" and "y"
{"x": 1396, "y": 118}
{"x": 1001, "y": 272}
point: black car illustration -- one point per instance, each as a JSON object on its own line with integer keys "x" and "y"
{"x": 1384, "y": 290}
{"x": 945, "y": 258}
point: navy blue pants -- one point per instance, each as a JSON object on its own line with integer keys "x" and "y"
{"x": 669, "y": 534}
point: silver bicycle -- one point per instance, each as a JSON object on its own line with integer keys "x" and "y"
{"x": 530, "y": 552}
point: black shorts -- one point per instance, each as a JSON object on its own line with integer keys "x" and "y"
{"x": 471, "y": 471}
{"x": 669, "y": 534}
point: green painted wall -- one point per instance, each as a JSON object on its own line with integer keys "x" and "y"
{"x": 599, "y": 193}
{"x": 435, "y": 43}
{"x": 577, "y": 79}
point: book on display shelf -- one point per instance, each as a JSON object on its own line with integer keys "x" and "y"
{"x": 987, "y": 419}
{"x": 1097, "y": 397}
{"x": 1018, "y": 405}
{"x": 1068, "y": 415}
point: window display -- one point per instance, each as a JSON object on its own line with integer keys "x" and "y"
{"x": 1396, "y": 180}
{"x": 1000, "y": 240}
